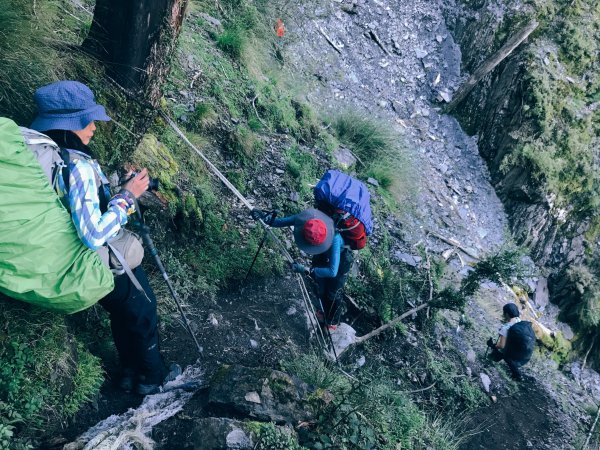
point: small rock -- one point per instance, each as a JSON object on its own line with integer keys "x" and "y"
{"x": 411, "y": 260}
{"x": 211, "y": 20}
{"x": 343, "y": 336}
{"x": 420, "y": 53}
{"x": 469, "y": 372}
{"x": 213, "y": 320}
{"x": 485, "y": 381}
{"x": 445, "y": 96}
{"x": 344, "y": 157}
{"x": 295, "y": 197}
{"x": 494, "y": 398}
{"x": 360, "y": 361}
{"x": 566, "y": 330}
{"x": 279, "y": 171}
{"x": 372, "y": 181}
{"x": 253, "y": 343}
{"x": 439, "y": 38}
{"x": 291, "y": 311}
{"x": 541, "y": 293}
{"x": 383, "y": 103}
{"x": 471, "y": 356}
{"x": 253, "y": 397}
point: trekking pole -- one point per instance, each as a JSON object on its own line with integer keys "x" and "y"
{"x": 145, "y": 231}
{"x": 326, "y": 326}
{"x": 262, "y": 243}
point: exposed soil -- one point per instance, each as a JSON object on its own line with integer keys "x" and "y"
{"x": 256, "y": 326}
{"x": 523, "y": 418}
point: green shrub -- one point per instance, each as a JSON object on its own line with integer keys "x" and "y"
{"x": 231, "y": 41}
{"x": 244, "y": 145}
{"x": 270, "y": 437}
{"x": 46, "y": 374}
{"x": 367, "y": 412}
{"x": 499, "y": 268}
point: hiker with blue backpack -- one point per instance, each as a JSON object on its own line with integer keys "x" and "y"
{"x": 330, "y": 233}
{"x": 515, "y": 342}
{"x": 67, "y": 112}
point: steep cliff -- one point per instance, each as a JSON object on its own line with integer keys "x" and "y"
{"x": 536, "y": 118}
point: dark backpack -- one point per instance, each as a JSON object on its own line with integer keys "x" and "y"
{"x": 520, "y": 342}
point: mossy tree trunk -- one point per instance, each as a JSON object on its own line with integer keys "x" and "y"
{"x": 134, "y": 39}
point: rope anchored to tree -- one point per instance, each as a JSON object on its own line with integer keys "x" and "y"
{"x": 303, "y": 289}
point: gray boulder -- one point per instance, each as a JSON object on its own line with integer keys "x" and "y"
{"x": 258, "y": 393}
{"x": 219, "y": 434}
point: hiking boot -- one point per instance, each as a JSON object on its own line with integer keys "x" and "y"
{"x": 127, "y": 379}
{"x": 149, "y": 389}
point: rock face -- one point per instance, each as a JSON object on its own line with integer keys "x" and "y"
{"x": 261, "y": 394}
{"x": 494, "y": 111}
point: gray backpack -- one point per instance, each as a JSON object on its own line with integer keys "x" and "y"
{"x": 122, "y": 253}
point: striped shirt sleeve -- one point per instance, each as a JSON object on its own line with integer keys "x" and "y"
{"x": 93, "y": 227}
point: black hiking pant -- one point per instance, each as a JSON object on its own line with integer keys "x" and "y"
{"x": 514, "y": 366}
{"x": 330, "y": 290}
{"x": 134, "y": 324}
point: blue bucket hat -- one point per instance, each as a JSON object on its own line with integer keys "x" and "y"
{"x": 66, "y": 105}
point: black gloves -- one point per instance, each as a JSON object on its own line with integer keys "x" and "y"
{"x": 267, "y": 217}
{"x": 491, "y": 343}
{"x": 299, "y": 268}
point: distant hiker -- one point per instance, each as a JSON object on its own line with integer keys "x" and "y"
{"x": 66, "y": 113}
{"x": 331, "y": 233}
{"x": 516, "y": 341}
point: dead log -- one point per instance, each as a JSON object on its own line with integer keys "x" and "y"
{"x": 491, "y": 63}
{"x": 328, "y": 39}
{"x": 382, "y": 328}
{"x": 455, "y": 243}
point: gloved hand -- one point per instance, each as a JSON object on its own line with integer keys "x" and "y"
{"x": 299, "y": 268}
{"x": 267, "y": 217}
{"x": 490, "y": 343}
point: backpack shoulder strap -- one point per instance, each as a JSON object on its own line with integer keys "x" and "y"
{"x": 46, "y": 151}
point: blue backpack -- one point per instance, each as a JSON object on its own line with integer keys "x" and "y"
{"x": 347, "y": 201}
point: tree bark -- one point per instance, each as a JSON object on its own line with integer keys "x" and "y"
{"x": 134, "y": 39}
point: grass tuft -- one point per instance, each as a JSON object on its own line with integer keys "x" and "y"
{"x": 381, "y": 153}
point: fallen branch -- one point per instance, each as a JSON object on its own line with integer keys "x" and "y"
{"x": 589, "y": 436}
{"x": 422, "y": 389}
{"x": 491, "y": 63}
{"x": 585, "y": 359}
{"x": 328, "y": 39}
{"x": 374, "y": 36}
{"x": 381, "y": 329}
{"x": 256, "y": 111}
{"x": 455, "y": 243}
